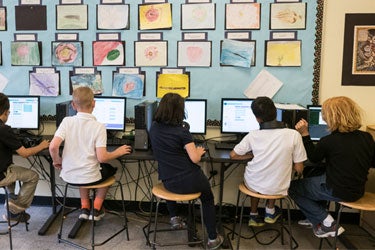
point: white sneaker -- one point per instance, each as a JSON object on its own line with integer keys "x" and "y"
{"x": 305, "y": 222}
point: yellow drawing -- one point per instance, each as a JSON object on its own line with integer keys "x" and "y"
{"x": 173, "y": 83}
{"x": 155, "y": 16}
{"x": 283, "y": 53}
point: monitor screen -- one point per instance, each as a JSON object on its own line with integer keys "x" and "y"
{"x": 237, "y": 116}
{"x": 24, "y": 112}
{"x": 317, "y": 126}
{"x": 111, "y": 111}
{"x": 196, "y": 115}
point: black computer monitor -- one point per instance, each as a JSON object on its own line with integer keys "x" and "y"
{"x": 237, "y": 116}
{"x": 24, "y": 112}
{"x": 111, "y": 111}
{"x": 196, "y": 115}
{"x": 317, "y": 126}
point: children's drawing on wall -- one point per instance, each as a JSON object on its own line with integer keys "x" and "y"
{"x": 288, "y": 16}
{"x": 71, "y": 17}
{"x": 242, "y": 16}
{"x": 94, "y": 81}
{"x": 364, "y": 50}
{"x": 174, "y": 83}
{"x": 151, "y": 53}
{"x": 155, "y": 16}
{"x": 128, "y": 85}
{"x": 237, "y": 53}
{"x": 108, "y": 53}
{"x": 3, "y": 18}
{"x": 194, "y": 54}
{"x": 1, "y": 55}
{"x": 198, "y": 16}
{"x": 113, "y": 16}
{"x": 25, "y": 53}
{"x": 67, "y": 54}
{"x": 283, "y": 53}
{"x": 44, "y": 84}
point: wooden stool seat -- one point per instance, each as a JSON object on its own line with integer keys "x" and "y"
{"x": 246, "y": 191}
{"x": 366, "y": 203}
{"x": 108, "y": 182}
{"x": 161, "y": 192}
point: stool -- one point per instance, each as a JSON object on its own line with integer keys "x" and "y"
{"x": 366, "y": 203}
{"x": 8, "y": 221}
{"x": 242, "y": 189}
{"x": 107, "y": 183}
{"x": 159, "y": 193}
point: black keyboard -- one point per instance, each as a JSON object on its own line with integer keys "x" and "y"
{"x": 225, "y": 145}
{"x": 115, "y": 141}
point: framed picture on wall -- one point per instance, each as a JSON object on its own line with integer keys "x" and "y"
{"x": 26, "y": 53}
{"x": 129, "y": 85}
{"x": 155, "y": 16}
{"x": 242, "y": 16}
{"x": 194, "y": 53}
{"x": 288, "y": 16}
{"x": 71, "y": 17}
{"x": 151, "y": 53}
{"x": 112, "y": 16}
{"x": 67, "y": 53}
{"x": 197, "y": 16}
{"x": 3, "y": 18}
{"x": 1, "y": 58}
{"x": 358, "y": 67}
{"x": 240, "y": 53}
{"x": 280, "y": 53}
{"x": 44, "y": 84}
{"x": 108, "y": 53}
{"x": 92, "y": 80}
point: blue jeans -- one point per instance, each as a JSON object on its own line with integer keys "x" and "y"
{"x": 195, "y": 182}
{"x": 308, "y": 194}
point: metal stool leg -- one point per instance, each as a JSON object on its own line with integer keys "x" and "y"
{"x": 62, "y": 213}
{"x": 241, "y": 217}
{"x": 124, "y": 211}
{"x": 149, "y": 222}
{"x": 236, "y": 215}
{"x": 9, "y": 232}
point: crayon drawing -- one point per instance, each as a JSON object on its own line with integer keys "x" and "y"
{"x": 237, "y": 53}
{"x": 94, "y": 81}
{"x": 71, "y": 17}
{"x": 113, "y": 16}
{"x": 151, "y": 53}
{"x": 198, "y": 16}
{"x": 155, "y": 16}
{"x": 128, "y": 85}
{"x": 194, "y": 54}
{"x": 242, "y": 16}
{"x": 44, "y": 84}
{"x": 283, "y": 53}
{"x": 67, "y": 54}
{"x": 108, "y": 53}
{"x": 25, "y": 53}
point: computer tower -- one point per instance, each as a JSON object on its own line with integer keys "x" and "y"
{"x": 143, "y": 116}
{"x": 64, "y": 109}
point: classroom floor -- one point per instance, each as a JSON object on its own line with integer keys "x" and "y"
{"x": 22, "y": 239}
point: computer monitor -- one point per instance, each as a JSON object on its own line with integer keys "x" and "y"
{"x": 111, "y": 111}
{"x": 196, "y": 115}
{"x": 237, "y": 116}
{"x": 317, "y": 126}
{"x": 24, "y": 112}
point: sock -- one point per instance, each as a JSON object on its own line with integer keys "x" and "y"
{"x": 98, "y": 202}
{"x": 85, "y": 203}
{"x": 270, "y": 210}
{"x": 254, "y": 214}
{"x": 328, "y": 221}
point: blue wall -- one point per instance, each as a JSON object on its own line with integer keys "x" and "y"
{"x": 212, "y": 83}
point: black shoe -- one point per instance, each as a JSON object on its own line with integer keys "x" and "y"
{"x": 322, "y": 231}
{"x": 98, "y": 215}
{"x": 20, "y": 217}
{"x": 85, "y": 214}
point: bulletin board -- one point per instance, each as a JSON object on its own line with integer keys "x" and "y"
{"x": 209, "y": 79}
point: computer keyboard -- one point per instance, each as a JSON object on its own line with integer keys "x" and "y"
{"x": 225, "y": 145}
{"x": 115, "y": 141}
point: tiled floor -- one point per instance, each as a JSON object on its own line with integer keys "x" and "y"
{"x": 31, "y": 240}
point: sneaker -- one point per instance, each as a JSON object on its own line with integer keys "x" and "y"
{"x": 13, "y": 206}
{"x": 305, "y": 222}
{"x": 85, "y": 214}
{"x": 256, "y": 221}
{"x": 216, "y": 243}
{"x": 98, "y": 214}
{"x": 20, "y": 217}
{"x": 272, "y": 218}
{"x": 177, "y": 223}
{"x": 322, "y": 231}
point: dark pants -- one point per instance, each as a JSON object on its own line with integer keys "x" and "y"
{"x": 195, "y": 182}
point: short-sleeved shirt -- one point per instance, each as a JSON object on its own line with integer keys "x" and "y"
{"x": 168, "y": 144}
{"x": 82, "y": 134}
{"x": 8, "y": 144}
{"x": 275, "y": 151}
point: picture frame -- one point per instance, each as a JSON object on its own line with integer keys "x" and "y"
{"x": 198, "y": 16}
{"x": 67, "y": 53}
{"x": 108, "y": 53}
{"x": 288, "y": 16}
{"x": 242, "y": 16}
{"x": 194, "y": 53}
{"x": 3, "y": 18}
{"x": 283, "y": 53}
{"x": 113, "y": 16}
{"x": 72, "y": 17}
{"x": 358, "y": 64}
{"x": 155, "y": 16}
{"x": 151, "y": 53}
{"x": 239, "y": 53}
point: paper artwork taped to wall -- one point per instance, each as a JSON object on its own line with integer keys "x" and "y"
{"x": 3, "y": 18}
{"x": 151, "y": 53}
{"x": 283, "y": 53}
{"x": 155, "y": 16}
{"x": 288, "y": 16}
{"x": 239, "y": 16}
{"x": 108, "y": 53}
{"x": 112, "y": 16}
{"x": 44, "y": 84}
{"x": 237, "y": 53}
{"x": 94, "y": 81}
{"x": 25, "y": 53}
{"x": 71, "y": 17}
{"x": 194, "y": 54}
{"x": 364, "y": 50}
{"x": 67, "y": 54}
{"x": 128, "y": 85}
{"x": 198, "y": 16}
{"x": 173, "y": 83}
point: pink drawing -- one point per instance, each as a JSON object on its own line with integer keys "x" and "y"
{"x": 129, "y": 86}
{"x": 66, "y": 52}
{"x": 23, "y": 51}
{"x": 194, "y": 54}
{"x": 151, "y": 52}
{"x": 102, "y": 50}
{"x": 152, "y": 14}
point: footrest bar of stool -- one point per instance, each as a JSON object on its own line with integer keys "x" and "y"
{"x": 293, "y": 239}
{"x": 72, "y": 244}
{"x": 111, "y": 237}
